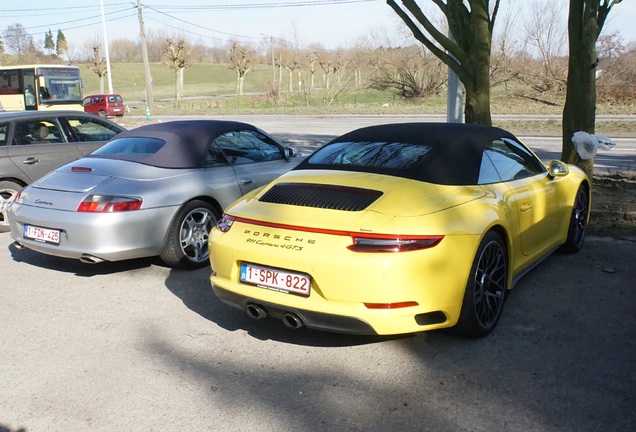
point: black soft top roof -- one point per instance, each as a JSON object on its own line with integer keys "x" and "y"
{"x": 186, "y": 141}
{"x": 455, "y": 149}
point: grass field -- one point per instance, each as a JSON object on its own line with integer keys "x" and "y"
{"x": 210, "y": 89}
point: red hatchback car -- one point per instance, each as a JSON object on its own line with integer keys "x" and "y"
{"x": 106, "y": 105}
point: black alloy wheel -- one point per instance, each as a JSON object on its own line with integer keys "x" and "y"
{"x": 578, "y": 221}
{"x": 486, "y": 288}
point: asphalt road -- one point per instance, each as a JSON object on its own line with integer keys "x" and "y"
{"x": 137, "y": 346}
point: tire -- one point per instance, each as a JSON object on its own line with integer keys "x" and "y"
{"x": 8, "y": 190}
{"x": 578, "y": 221}
{"x": 187, "y": 238}
{"x": 102, "y": 114}
{"x": 486, "y": 288}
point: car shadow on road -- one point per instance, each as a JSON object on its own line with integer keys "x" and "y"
{"x": 77, "y": 267}
{"x": 195, "y": 291}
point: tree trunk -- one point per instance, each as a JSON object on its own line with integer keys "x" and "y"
{"x": 579, "y": 112}
{"x": 291, "y": 80}
{"x": 466, "y": 51}
{"x": 241, "y": 81}
{"x": 477, "y": 109}
{"x": 180, "y": 74}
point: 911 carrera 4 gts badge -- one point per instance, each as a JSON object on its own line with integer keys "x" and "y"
{"x": 289, "y": 242}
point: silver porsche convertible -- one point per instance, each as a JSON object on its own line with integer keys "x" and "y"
{"x": 154, "y": 190}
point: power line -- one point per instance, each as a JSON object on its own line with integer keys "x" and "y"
{"x": 89, "y": 21}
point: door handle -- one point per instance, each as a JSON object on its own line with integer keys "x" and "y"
{"x": 525, "y": 207}
{"x": 30, "y": 161}
{"x": 245, "y": 182}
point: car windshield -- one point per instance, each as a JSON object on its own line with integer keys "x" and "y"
{"x": 132, "y": 146}
{"x": 392, "y": 155}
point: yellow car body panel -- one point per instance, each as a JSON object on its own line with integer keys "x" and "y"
{"x": 342, "y": 281}
{"x": 391, "y": 224}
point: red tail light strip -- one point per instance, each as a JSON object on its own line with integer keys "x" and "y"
{"x": 363, "y": 242}
{"x": 391, "y": 305}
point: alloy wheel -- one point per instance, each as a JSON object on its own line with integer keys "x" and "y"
{"x": 490, "y": 284}
{"x": 194, "y": 233}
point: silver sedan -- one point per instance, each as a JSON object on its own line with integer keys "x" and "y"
{"x": 155, "y": 190}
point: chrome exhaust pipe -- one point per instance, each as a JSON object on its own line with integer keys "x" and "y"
{"x": 90, "y": 259}
{"x": 18, "y": 246}
{"x": 255, "y": 311}
{"x": 292, "y": 321}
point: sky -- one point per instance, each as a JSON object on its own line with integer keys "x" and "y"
{"x": 332, "y": 23}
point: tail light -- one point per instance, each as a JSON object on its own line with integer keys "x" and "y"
{"x": 361, "y": 242}
{"x": 81, "y": 169}
{"x": 109, "y": 204}
{"x": 225, "y": 223}
{"x": 392, "y": 243}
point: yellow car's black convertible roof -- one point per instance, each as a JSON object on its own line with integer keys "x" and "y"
{"x": 441, "y": 153}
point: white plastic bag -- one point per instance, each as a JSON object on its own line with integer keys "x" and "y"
{"x": 587, "y": 144}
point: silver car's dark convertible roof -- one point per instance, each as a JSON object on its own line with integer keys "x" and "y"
{"x": 185, "y": 142}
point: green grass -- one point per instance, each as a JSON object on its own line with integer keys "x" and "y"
{"x": 217, "y": 84}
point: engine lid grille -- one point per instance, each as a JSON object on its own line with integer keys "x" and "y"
{"x": 321, "y": 196}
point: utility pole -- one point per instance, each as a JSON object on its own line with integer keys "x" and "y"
{"x": 110, "y": 78}
{"x": 144, "y": 54}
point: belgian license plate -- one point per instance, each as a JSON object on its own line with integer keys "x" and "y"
{"x": 42, "y": 234}
{"x": 276, "y": 279}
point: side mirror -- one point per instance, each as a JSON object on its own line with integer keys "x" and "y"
{"x": 290, "y": 152}
{"x": 558, "y": 169}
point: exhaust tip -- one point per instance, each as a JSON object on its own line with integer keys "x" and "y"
{"x": 18, "y": 246}
{"x": 255, "y": 311}
{"x": 90, "y": 259}
{"x": 292, "y": 321}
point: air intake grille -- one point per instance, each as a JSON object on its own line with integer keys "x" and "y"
{"x": 321, "y": 196}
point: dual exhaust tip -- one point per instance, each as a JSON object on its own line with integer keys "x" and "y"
{"x": 290, "y": 319}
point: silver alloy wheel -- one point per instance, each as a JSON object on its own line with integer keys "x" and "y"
{"x": 194, "y": 232}
{"x": 490, "y": 284}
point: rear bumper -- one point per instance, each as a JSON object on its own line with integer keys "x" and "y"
{"x": 95, "y": 237}
{"x": 311, "y": 319}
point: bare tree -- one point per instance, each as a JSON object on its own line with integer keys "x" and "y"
{"x": 241, "y": 61}
{"x": 467, "y": 53}
{"x": 312, "y": 59}
{"x": 125, "y": 51}
{"x": 617, "y": 70}
{"x": 543, "y": 66}
{"x": 98, "y": 65}
{"x": 411, "y": 72}
{"x": 17, "y": 40}
{"x": 178, "y": 59}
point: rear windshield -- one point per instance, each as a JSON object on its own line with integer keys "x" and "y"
{"x": 433, "y": 162}
{"x": 116, "y": 98}
{"x": 392, "y": 155}
{"x": 133, "y": 147}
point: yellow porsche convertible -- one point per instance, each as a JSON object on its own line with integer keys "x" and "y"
{"x": 398, "y": 228}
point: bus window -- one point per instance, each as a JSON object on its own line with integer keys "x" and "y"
{"x": 38, "y": 87}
